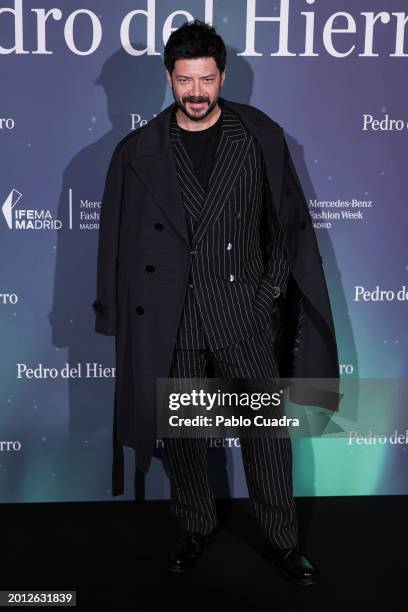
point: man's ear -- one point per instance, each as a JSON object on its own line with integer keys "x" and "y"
{"x": 223, "y": 77}
{"x": 168, "y": 77}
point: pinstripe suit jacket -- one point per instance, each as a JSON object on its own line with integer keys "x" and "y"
{"x": 238, "y": 269}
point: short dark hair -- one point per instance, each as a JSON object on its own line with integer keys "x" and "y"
{"x": 195, "y": 39}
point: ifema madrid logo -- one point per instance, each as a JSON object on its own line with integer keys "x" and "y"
{"x": 27, "y": 219}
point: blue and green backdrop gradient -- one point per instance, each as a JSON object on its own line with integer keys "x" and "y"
{"x": 69, "y": 111}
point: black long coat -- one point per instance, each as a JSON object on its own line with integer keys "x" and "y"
{"x": 143, "y": 220}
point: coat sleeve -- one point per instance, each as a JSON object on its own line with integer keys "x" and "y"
{"x": 291, "y": 180}
{"x": 105, "y": 305}
{"x": 289, "y": 168}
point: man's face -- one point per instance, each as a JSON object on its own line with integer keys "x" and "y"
{"x": 196, "y": 85}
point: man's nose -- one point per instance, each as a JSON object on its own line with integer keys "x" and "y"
{"x": 196, "y": 89}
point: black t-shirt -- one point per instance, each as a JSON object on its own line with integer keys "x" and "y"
{"x": 201, "y": 146}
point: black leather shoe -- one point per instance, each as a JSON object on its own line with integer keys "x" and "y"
{"x": 187, "y": 551}
{"x": 292, "y": 564}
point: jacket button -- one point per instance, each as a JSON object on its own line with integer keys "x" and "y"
{"x": 149, "y": 268}
{"x": 275, "y": 292}
{"x": 288, "y": 190}
{"x": 231, "y": 278}
{"x": 158, "y": 226}
{"x": 303, "y": 225}
{"x": 193, "y": 252}
{"x": 139, "y": 310}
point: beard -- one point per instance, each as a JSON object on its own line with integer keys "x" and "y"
{"x": 181, "y": 103}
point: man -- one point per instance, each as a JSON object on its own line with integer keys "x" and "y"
{"x": 208, "y": 262}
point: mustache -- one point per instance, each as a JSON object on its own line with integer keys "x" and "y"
{"x": 196, "y": 99}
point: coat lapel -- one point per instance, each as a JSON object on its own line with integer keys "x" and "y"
{"x": 154, "y": 163}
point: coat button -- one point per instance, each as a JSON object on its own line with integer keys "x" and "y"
{"x": 191, "y": 285}
{"x": 139, "y": 310}
{"x": 288, "y": 190}
{"x": 229, "y": 246}
{"x": 97, "y": 306}
{"x": 149, "y": 268}
{"x": 158, "y": 226}
{"x": 275, "y": 292}
{"x": 231, "y": 278}
{"x": 193, "y": 252}
{"x": 303, "y": 225}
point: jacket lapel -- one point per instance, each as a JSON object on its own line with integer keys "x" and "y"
{"x": 229, "y": 159}
{"x": 205, "y": 206}
{"x": 192, "y": 191}
{"x": 269, "y": 137}
{"x": 155, "y": 165}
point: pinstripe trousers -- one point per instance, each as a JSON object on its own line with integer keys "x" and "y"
{"x": 267, "y": 461}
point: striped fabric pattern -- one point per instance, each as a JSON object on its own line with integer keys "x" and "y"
{"x": 239, "y": 269}
{"x": 239, "y": 264}
{"x": 267, "y": 461}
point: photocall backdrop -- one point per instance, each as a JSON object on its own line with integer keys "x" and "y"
{"x": 75, "y": 78}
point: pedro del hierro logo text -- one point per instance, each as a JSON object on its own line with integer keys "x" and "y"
{"x": 339, "y": 34}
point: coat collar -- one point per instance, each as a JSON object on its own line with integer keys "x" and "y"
{"x": 153, "y": 160}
